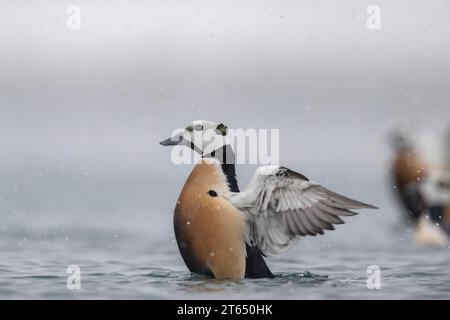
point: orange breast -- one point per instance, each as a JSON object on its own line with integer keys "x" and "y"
{"x": 408, "y": 168}
{"x": 209, "y": 230}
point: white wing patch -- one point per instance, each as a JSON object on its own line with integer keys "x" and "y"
{"x": 281, "y": 205}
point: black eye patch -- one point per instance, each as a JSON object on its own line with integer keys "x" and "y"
{"x": 212, "y": 193}
{"x": 222, "y": 129}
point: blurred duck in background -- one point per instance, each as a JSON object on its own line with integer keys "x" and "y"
{"x": 423, "y": 189}
{"x": 407, "y": 171}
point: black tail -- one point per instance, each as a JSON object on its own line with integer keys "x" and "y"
{"x": 256, "y": 267}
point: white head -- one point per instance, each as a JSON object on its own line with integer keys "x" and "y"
{"x": 204, "y": 137}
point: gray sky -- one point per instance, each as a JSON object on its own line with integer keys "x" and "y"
{"x": 86, "y": 108}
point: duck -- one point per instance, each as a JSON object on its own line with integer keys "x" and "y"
{"x": 423, "y": 189}
{"x": 408, "y": 170}
{"x": 225, "y": 233}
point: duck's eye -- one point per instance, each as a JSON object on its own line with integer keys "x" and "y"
{"x": 190, "y": 129}
{"x": 198, "y": 127}
{"x": 212, "y": 193}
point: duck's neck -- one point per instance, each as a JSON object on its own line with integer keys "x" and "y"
{"x": 227, "y": 159}
{"x": 230, "y": 172}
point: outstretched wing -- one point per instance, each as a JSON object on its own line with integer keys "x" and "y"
{"x": 280, "y": 205}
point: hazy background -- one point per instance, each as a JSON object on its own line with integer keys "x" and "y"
{"x": 82, "y": 111}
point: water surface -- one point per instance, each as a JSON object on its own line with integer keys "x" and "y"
{"x": 121, "y": 264}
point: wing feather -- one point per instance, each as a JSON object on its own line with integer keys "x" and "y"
{"x": 282, "y": 205}
{"x": 304, "y": 220}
